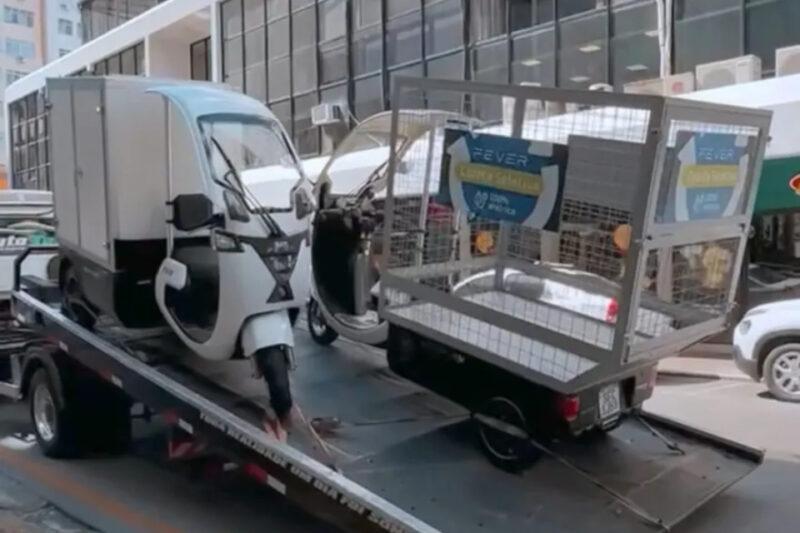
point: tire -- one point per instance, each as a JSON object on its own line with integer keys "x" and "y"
{"x": 511, "y": 453}
{"x": 320, "y": 331}
{"x": 402, "y": 352}
{"x": 274, "y": 366}
{"x": 782, "y": 372}
{"x": 55, "y": 424}
{"x": 73, "y": 304}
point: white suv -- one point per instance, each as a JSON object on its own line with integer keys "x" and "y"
{"x": 766, "y": 344}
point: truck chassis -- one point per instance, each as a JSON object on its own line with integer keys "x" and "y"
{"x": 405, "y": 457}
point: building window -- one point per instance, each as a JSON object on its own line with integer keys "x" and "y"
{"x": 63, "y": 51}
{"x": 583, "y": 55}
{"x": 634, "y": 45}
{"x": 533, "y": 57}
{"x": 65, "y": 27}
{"x": 444, "y": 27}
{"x": 304, "y": 51}
{"x": 490, "y": 63}
{"x": 30, "y": 139}
{"x": 696, "y": 21}
{"x": 232, "y": 47}
{"x": 368, "y": 96}
{"x": 201, "y": 59}
{"x": 367, "y": 37}
{"x": 129, "y": 62}
{"x": 770, "y": 24}
{"x": 403, "y": 34}
{"x": 279, "y": 66}
{"x": 487, "y": 19}
{"x": 306, "y": 135}
{"x": 13, "y": 15}
{"x": 20, "y": 49}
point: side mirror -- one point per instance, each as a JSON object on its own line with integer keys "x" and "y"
{"x": 192, "y": 211}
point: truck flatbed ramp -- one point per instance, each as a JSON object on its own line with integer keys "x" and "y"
{"x": 406, "y": 458}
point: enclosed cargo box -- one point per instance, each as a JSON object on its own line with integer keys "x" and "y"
{"x": 110, "y": 160}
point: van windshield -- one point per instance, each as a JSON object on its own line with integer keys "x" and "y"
{"x": 259, "y": 154}
{"x": 248, "y": 144}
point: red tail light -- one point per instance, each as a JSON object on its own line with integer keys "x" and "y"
{"x": 612, "y": 310}
{"x": 569, "y": 407}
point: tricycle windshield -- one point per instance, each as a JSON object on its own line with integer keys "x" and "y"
{"x": 250, "y": 153}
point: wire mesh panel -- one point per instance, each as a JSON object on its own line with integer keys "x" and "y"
{"x": 705, "y": 192}
{"x": 517, "y": 238}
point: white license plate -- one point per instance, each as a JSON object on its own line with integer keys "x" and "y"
{"x": 609, "y": 401}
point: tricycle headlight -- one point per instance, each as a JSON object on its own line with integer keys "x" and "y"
{"x": 744, "y": 326}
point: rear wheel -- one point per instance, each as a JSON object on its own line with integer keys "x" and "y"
{"x": 319, "y": 329}
{"x": 73, "y": 302}
{"x": 402, "y": 351}
{"x": 274, "y": 366}
{"x": 504, "y": 435}
{"x": 782, "y": 372}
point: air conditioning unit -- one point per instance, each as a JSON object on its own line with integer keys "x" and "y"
{"x": 728, "y": 72}
{"x": 787, "y": 60}
{"x": 669, "y": 86}
{"x": 325, "y": 114}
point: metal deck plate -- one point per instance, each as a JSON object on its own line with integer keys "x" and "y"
{"x": 419, "y": 451}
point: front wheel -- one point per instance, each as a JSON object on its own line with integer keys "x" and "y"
{"x": 54, "y": 423}
{"x": 274, "y": 366}
{"x": 319, "y": 329}
{"x": 782, "y": 372}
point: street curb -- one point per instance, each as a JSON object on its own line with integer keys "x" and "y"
{"x": 703, "y": 375}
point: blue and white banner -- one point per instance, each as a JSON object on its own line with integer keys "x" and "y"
{"x": 500, "y": 178}
{"x": 713, "y": 168}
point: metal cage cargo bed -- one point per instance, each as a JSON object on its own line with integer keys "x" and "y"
{"x": 406, "y": 458}
{"x": 641, "y": 202}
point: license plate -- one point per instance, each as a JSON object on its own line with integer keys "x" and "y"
{"x": 609, "y": 401}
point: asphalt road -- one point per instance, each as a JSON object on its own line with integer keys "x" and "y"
{"x": 142, "y": 492}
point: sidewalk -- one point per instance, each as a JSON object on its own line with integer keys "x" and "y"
{"x": 686, "y": 365}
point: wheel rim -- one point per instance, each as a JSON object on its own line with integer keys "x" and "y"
{"x": 44, "y": 413}
{"x": 317, "y": 321}
{"x": 502, "y": 446}
{"x": 786, "y": 373}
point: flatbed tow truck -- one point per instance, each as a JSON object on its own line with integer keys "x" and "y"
{"x": 405, "y": 458}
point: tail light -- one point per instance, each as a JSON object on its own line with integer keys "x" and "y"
{"x": 612, "y": 310}
{"x": 569, "y": 407}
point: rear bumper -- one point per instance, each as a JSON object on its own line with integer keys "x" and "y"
{"x": 746, "y": 366}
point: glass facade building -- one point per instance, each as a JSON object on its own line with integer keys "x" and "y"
{"x": 295, "y": 54}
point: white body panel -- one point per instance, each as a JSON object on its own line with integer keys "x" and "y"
{"x": 272, "y": 329}
{"x": 764, "y": 321}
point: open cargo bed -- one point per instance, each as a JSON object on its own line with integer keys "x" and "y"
{"x": 406, "y": 458}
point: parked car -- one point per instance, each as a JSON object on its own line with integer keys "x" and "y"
{"x": 766, "y": 345}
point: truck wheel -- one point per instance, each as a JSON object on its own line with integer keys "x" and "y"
{"x": 402, "y": 351}
{"x": 504, "y": 435}
{"x": 320, "y": 331}
{"x": 782, "y": 372}
{"x": 55, "y": 425}
{"x": 73, "y": 303}
{"x": 272, "y": 362}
